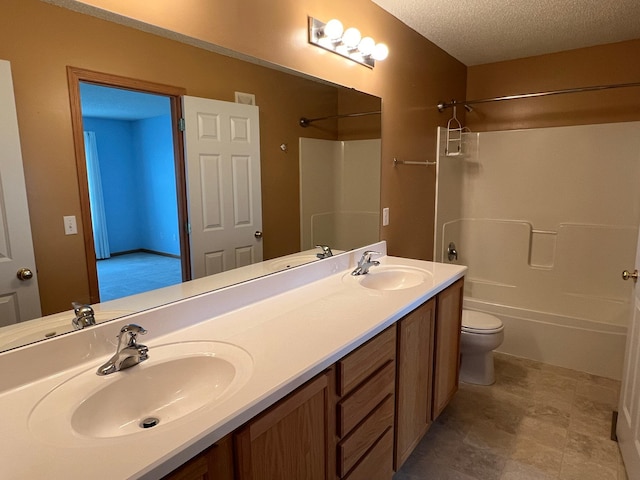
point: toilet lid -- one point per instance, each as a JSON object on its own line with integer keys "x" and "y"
{"x": 478, "y": 322}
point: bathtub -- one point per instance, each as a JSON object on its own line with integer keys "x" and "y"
{"x": 575, "y": 343}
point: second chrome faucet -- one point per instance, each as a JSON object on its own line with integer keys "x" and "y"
{"x": 365, "y": 263}
{"x": 128, "y": 353}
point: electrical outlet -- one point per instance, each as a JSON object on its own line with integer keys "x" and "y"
{"x": 70, "y": 226}
{"x": 385, "y": 216}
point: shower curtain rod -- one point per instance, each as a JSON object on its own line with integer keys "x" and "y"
{"x": 442, "y": 105}
{"x": 304, "y": 122}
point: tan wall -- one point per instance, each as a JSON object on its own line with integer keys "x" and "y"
{"x": 40, "y": 40}
{"x": 601, "y": 65}
{"x": 358, "y": 128}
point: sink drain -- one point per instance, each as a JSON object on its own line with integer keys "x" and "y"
{"x": 149, "y": 422}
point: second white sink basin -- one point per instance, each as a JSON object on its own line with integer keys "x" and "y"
{"x": 392, "y": 277}
{"x": 177, "y": 380}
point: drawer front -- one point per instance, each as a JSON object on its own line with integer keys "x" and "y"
{"x": 359, "y": 403}
{"x": 354, "y": 446}
{"x": 377, "y": 463}
{"x": 358, "y": 365}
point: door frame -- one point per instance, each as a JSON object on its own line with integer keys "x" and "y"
{"x": 74, "y": 77}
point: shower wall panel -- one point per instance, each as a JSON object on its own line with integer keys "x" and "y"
{"x": 339, "y": 193}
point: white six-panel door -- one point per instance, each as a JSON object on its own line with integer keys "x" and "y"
{"x": 222, "y": 143}
{"x": 628, "y": 426}
{"x": 19, "y": 300}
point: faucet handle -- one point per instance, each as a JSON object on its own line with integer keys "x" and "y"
{"x": 84, "y": 315}
{"x": 366, "y": 256}
{"x": 326, "y": 251}
{"x": 81, "y": 309}
{"x": 133, "y": 330}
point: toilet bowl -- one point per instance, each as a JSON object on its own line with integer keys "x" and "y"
{"x": 481, "y": 334}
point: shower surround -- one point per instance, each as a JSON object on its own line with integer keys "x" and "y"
{"x": 339, "y": 193}
{"x": 546, "y": 220}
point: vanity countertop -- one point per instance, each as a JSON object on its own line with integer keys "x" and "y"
{"x": 293, "y": 324}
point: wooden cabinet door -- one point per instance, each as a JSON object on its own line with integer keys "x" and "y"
{"x": 447, "y": 346}
{"x": 215, "y": 463}
{"x": 293, "y": 438}
{"x": 414, "y": 379}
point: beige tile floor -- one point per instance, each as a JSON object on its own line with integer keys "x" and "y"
{"x": 537, "y": 422}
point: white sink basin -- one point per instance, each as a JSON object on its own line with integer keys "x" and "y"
{"x": 177, "y": 380}
{"x": 391, "y": 277}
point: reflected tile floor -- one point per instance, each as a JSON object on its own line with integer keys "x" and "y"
{"x": 537, "y": 422}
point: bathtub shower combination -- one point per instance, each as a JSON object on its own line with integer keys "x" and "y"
{"x": 546, "y": 220}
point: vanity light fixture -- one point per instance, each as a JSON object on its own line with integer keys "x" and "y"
{"x": 349, "y": 43}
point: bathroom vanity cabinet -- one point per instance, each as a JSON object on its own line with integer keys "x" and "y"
{"x": 292, "y": 438}
{"x": 322, "y": 368}
{"x": 446, "y": 361}
{"x": 414, "y": 379}
{"x": 358, "y": 420}
{"x": 428, "y": 364}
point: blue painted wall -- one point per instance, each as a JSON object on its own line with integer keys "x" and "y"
{"x": 154, "y": 151}
{"x": 119, "y": 172}
{"x": 138, "y": 181}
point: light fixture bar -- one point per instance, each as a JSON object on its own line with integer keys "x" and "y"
{"x": 347, "y": 44}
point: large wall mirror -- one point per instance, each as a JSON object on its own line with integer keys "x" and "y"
{"x": 319, "y": 184}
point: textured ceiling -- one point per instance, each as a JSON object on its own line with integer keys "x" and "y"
{"x": 486, "y": 31}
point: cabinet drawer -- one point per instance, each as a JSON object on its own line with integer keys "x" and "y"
{"x": 358, "y": 365}
{"x": 353, "y": 447}
{"x": 376, "y": 464}
{"x": 355, "y": 407}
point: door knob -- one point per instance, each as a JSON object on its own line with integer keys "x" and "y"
{"x": 24, "y": 274}
{"x": 626, "y": 275}
{"x": 258, "y": 234}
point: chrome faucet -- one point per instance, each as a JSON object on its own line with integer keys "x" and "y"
{"x": 85, "y": 316}
{"x": 129, "y": 355}
{"x": 365, "y": 263}
{"x": 326, "y": 251}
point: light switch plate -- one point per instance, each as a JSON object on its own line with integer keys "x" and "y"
{"x": 385, "y": 216}
{"x": 70, "y": 226}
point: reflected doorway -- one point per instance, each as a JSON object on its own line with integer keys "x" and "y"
{"x": 132, "y": 189}
{"x": 133, "y": 196}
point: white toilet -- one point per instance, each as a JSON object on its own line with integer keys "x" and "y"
{"x": 481, "y": 334}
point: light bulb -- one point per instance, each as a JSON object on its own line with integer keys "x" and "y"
{"x": 366, "y": 46}
{"x": 333, "y": 29}
{"x": 351, "y": 37}
{"x": 380, "y": 52}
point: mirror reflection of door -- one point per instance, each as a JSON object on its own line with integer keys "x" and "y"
{"x": 222, "y": 143}
{"x": 129, "y": 154}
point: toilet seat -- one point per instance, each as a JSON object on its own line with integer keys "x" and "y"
{"x": 480, "y": 323}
